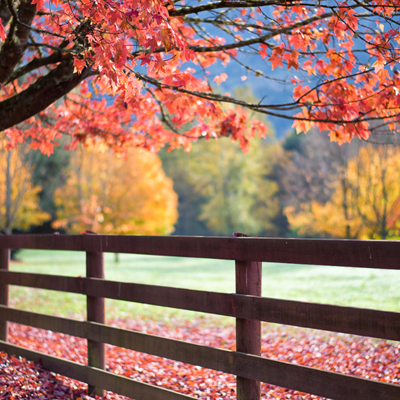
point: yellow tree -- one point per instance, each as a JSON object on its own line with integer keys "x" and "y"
{"x": 365, "y": 203}
{"x": 376, "y": 181}
{"x": 237, "y": 193}
{"x": 19, "y": 198}
{"x": 108, "y": 193}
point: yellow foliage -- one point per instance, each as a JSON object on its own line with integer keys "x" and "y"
{"x": 23, "y": 210}
{"x": 376, "y": 177}
{"x": 238, "y": 195}
{"x": 366, "y": 203}
{"x": 325, "y": 219}
{"x": 107, "y": 193}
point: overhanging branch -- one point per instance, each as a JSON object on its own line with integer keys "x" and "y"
{"x": 262, "y": 108}
{"x": 41, "y": 94}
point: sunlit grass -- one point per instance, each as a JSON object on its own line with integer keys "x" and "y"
{"x": 357, "y": 287}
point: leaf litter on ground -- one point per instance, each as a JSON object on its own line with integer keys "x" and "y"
{"x": 358, "y": 356}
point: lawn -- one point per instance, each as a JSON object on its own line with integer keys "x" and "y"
{"x": 358, "y": 287}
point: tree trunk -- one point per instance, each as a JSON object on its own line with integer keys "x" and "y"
{"x": 346, "y": 207}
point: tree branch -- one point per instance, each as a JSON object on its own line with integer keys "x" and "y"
{"x": 245, "y": 43}
{"x": 221, "y": 4}
{"x": 221, "y": 24}
{"x": 34, "y": 64}
{"x": 262, "y": 39}
{"x": 41, "y": 94}
{"x": 260, "y": 108}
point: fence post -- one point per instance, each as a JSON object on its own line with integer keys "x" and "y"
{"x": 248, "y": 332}
{"x": 4, "y": 265}
{"x": 95, "y": 308}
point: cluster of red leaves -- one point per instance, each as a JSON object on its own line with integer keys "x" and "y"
{"x": 22, "y": 379}
{"x": 358, "y": 356}
{"x": 147, "y": 65}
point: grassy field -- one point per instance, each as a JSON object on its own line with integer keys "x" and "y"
{"x": 356, "y": 287}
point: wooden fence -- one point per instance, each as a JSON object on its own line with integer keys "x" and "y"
{"x": 246, "y": 305}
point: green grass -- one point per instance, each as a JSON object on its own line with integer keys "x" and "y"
{"x": 357, "y": 287}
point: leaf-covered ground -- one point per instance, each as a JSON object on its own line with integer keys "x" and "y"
{"x": 21, "y": 379}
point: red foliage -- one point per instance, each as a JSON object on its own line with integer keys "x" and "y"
{"x": 21, "y": 379}
{"x": 139, "y": 73}
{"x": 364, "y": 357}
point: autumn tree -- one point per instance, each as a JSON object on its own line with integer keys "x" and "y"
{"x": 367, "y": 206}
{"x": 107, "y": 193}
{"x": 175, "y": 164}
{"x": 235, "y": 190}
{"x": 19, "y": 197}
{"x": 140, "y": 73}
{"x": 375, "y": 180}
{"x": 310, "y": 167}
{"x": 310, "y": 172}
{"x": 221, "y": 191}
{"x": 50, "y": 172}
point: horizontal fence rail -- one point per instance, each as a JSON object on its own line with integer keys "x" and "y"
{"x": 351, "y": 320}
{"x": 279, "y": 373}
{"x": 96, "y": 377}
{"x": 342, "y": 253}
{"x": 246, "y": 305}
{"x": 310, "y": 380}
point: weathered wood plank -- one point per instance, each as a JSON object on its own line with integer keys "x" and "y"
{"x": 291, "y": 376}
{"x": 93, "y": 376}
{"x": 43, "y": 321}
{"x": 96, "y": 312}
{"x": 4, "y": 266}
{"x": 295, "y": 377}
{"x": 45, "y": 242}
{"x": 357, "y": 321}
{"x": 248, "y": 331}
{"x": 351, "y": 253}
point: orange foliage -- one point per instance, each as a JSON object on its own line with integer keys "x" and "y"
{"x": 365, "y": 204}
{"x": 107, "y": 193}
{"x": 22, "y": 209}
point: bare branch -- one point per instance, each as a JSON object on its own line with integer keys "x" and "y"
{"x": 221, "y": 4}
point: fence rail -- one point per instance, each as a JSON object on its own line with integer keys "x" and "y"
{"x": 342, "y": 253}
{"x": 246, "y": 305}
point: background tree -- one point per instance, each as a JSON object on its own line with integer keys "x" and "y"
{"x": 215, "y": 184}
{"x": 175, "y": 164}
{"x": 235, "y": 190}
{"x": 19, "y": 198}
{"x": 310, "y": 172}
{"x": 105, "y": 193}
{"x": 155, "y": 61}
{"x": 375, "y": 181}
{"x": 365, "y": 206}
{"x": 311, "y": 167}
{"x": 50, "y": 172}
